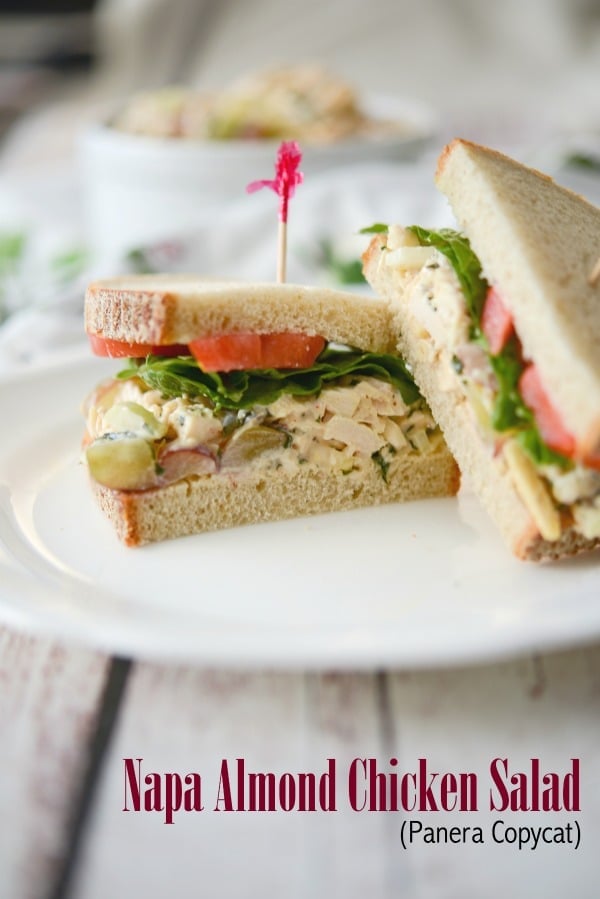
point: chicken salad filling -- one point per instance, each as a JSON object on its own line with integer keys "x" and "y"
{"x": 142, "y": 433}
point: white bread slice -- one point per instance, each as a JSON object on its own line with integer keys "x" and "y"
{"x": 538, "y": 244}
{"x": 487, "y": 473}
{"x": 208, "y": 503}
{"x": 165, "y": 309}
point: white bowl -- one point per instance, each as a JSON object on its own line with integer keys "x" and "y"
{"x": 138, "y": 189}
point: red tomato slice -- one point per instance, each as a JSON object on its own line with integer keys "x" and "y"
{"x": 118, "y": 349}
{"x": 232, "y": 352}
{"x": 227, "y": 352}
{"x": 592, "y": 460}
{"x": 496, "y": 321}
{"x": 547, "y": 418}
{"x": 290, "y": 350}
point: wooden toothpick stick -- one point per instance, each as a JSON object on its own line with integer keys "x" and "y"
{"x": 282, "y": 252}
{"x": 287, "y": 178}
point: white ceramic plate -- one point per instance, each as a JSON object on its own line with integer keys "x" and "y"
{"x": 420, "y": 584}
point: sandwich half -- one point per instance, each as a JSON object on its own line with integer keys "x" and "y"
{"x": 238, "y": 403}
{"x": 500, "y": 324}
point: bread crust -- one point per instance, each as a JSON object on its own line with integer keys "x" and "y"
{"x": 487, "y": 473}
{"x": 459, "y": 143}
{"x": 130, "y": 314}
{"x": 212, "y": 502}
{"x": 534, "y": 548}
{"x": 167, "y": 309}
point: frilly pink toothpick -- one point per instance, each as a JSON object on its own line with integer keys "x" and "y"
{"x": 287, "y": 178}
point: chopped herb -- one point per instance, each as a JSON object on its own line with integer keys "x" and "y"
{"x": 382, "y": 464}
{"x": 457, "y": 365}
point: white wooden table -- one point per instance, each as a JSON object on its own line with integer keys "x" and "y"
{"x": 69, "y": 717}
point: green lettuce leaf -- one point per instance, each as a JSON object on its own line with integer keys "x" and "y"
{"x": 511, "y": 413}
{"x": 533, "y": 444}
{"x": 457, "y": 249}
{"x": 377, "y": 228}
{"x": 244, "y": 389}
{"x": 509, "y": 409}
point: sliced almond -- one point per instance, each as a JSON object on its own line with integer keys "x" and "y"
{"x": 401, "y": 237}
{"x": 409, "y": 257}
{"x": 532, "y": 491}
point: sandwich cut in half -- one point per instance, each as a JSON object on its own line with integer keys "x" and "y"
{"x": 237, "y": 403}
{"x": 500, "y": 323}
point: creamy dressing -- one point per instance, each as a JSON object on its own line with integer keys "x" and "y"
{"x": 349, "y": 427}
